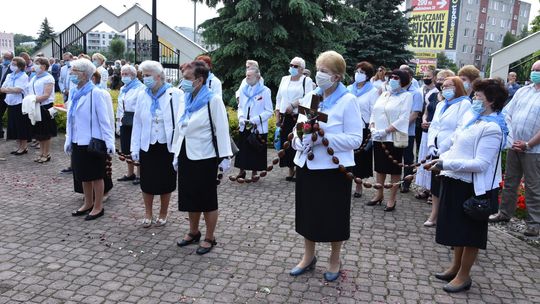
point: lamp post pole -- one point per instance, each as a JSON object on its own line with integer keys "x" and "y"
{"x": 195, "y": 21}
{"x": 155, "y": 43}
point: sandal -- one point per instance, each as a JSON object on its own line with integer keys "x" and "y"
{"x": 161, "y": 222}
{"x": 37, "y": 159}
{"x": 204, "y": 250}
{"x": 422, "y": 195}
{"x": 194, "y": 239}
{"x": 146, "y": 223}
{"x": 44, "y": 159}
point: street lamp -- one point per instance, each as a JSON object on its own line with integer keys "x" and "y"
{"x": 155, "y": 46}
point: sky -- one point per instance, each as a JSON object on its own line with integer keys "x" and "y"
{"x": 62, "y": 13}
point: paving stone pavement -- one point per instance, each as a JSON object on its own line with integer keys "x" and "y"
{"x": 48, "y": 256}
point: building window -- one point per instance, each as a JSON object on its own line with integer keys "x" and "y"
{"x": 495, "y": 5}
{"x": 473, "y": 33}
{"x": 488, "y": 20}
{"x": 464, "y": 50}
{"x": 472, "y": 49}
{"x": 515, "y": 17}
{"x": 500, "y": 37}
{"x": 502, "y": 23}
{"x": 513, "y": 32}
{"x": 480, "y": 41}
{"x": 487, "y": 36}
{"x": 504, "y": 7}
{"x": 483, "y": 10}
{"x": 492, "y": 37}
{"x": 466, "y": 32}
{"x": 485, "y": 50}
{"x": 478, "y": 57}
{"x": 493, "y": 21}
{"x": 468, "y": 18}
{"x": 481, "y": 25}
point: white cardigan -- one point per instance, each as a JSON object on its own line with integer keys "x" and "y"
{"x": 343, "y": 131}
{"x": 444, "y": 125}
{"x": 471, "y": 153}
{"x": 142, "y": 121}
{"x": 261, "y": 107}
{"x": 391, "y": 109}
{"x": 197, "y": 132}
{"x": 127, "y": 102}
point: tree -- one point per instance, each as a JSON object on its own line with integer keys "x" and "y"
{"x": 524, "y": 32}
{"x": 45, "y": 33}
{"x": 536, "y": 23}
{"x": 444, "y": 62}
{"x": 20, "y": 38}
{"x": 117, "y": 47}
{"x": 383, "y": 33}
{"x": 508, "y": 39}
{"x": 21, "y": 48}
{"x": 273, "y": 32}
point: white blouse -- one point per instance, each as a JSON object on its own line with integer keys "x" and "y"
{"x": 157, "y": 132}
{"x": 444, "y": 125}
{"x": 291, "y": 91}
{"x": 366, "y": 102}
{"x": 392, "y": 109}
{"x": 261, "y": 109}
{"x": 128, "y": 102}
{"x": 13, "y": 99}
{"x": 36, "y": 86}
{"x": 104, "y": 77}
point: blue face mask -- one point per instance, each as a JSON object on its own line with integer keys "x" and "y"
{"x": 466, "y": 85}
{"x": 126, "y": 80}
{"x": 96, "y": 63}
{"x": 6, "y": 62}
{"x": 74, "y": 79}
{"x": 187, "y": 86}
{"x": 293, "y": 71}
{"x": 448, "y": 94}
{"x": 394, "y": 84}
{"x": 478, "y": 106}
{"x": 535, "y": 77}
{"x": 149, "y": 81}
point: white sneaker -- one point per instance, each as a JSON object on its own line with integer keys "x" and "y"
{"x": 161, "y": 222}
{"x": 146, "y": 223}
{"x": 429, "y": 223}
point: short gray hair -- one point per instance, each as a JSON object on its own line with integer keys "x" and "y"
{"x": 252, "y": 63}
{"x": 85, "y": 66}
{"x": 254, "y": 70}
{"x": 127, "y": 68}
{"x": 154, "y": 67}
{"x": 301, "y": 62}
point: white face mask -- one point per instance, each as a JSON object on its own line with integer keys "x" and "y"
{"x": 324, "y": 80}
{"x": 359, "y": 77}
{"x": 251, "y": 82}
{"x": 37, "y": 68}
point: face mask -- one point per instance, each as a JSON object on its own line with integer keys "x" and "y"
{"x": 251, "y": 82}
{"x": 187, "y": 86}
{"x": 293, "y": 71}
{"x": 467, "y": 85}
{"x": 478, "y": 106}
{"x": 448, "y": 94}
{"x": 96, "y": 63}
{"x": 324, "y": 80}
{"x": 359, "y": 77}
{"x": 394, "y": 84}
{"x": 14, "y": 68}
{"x": 535, "y": 77}
{"x": 74, "y": 79}
{"x": 6, "y": 61}
{"x": 428, "y": 81}
{"x": 126, "y": 79}
{"x": 37, "y": 68}
{"x": 149, "y": 81}
{"x": 438, "y": 85}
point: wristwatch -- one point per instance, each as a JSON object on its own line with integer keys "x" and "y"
{"x": 527, "y": 146}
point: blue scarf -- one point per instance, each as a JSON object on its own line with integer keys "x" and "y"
{"x": 447, "y": 103}
{"x": 359, "y": 92}
{"x": 193, "y": 105}
{"x": 135, "y": 83}
{"x": 257, "y": 90}
{"x": 38, "y": 76}
{"x": 15, "y": 76}
{"x": 498, "y": 118}
{"x": 155, "y": 101}
{"x": 332, "y": 99}
{"x": 77, "y": 94}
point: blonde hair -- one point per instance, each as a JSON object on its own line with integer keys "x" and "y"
{"x": 445, "y": 74}
{"x": 334, "y": 61}
{"x": 469, "y": 71}
{"x": 99, "y": 57}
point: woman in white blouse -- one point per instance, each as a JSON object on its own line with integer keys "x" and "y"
{"x": 99, "y": 61}
{"x": 201, "y": 142}
{"x": 366, "y": 95}
{"x": 213, "y": 83}
{"x": 88, "y": 117}
{"x": 125, "y": 112}
{"x": 446, "y": 120}
{"x": 42, "y": 86}
{"x": 390, "y": 115}
{"x": 152, "y": 139}
{"x": 254, "y": 111}
{"x": 292, "y": 89}
{"x": 472, "y": 166}
{"x": 323, "y": 192}
{"x": 19, "y": 127}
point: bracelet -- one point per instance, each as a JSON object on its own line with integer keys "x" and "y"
{"x": 527, "y": 146}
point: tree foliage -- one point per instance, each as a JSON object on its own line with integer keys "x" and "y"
{"x": 273, "y": 32}
{"x": 443, "y": 62}
{"x": 383, "y": 33}
{"x": 20, "y": 38}
{"x": 508, "y": 39}
{"x": 45, "y": 33}
{"x": 536, "y": 23}
{"x": 117, "y": 48}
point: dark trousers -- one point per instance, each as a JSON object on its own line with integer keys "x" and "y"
{"x": 418, "y": 131}
{"x": 408, "y": 159}
{"x": 3, "y": 107}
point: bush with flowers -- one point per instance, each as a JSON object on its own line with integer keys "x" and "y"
{"x": 521, "y": 210}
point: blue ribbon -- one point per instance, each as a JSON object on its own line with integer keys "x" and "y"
{"x": 498, "y": 118}
{"x": 155, "y": 98}
{"x": 38, "y": 76}
{"x": 359, "y": 92}
{"x": 15, "y": 76}
{"x": 332, "y": 99}
{"x": 194, "y": 104}
{"x": 447, "y": 103}
{"x": 77, "y": 94}
{"x": 135, "y": 83}
{"x": 257, "y": 90}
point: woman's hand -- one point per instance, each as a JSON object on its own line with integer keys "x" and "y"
{"x": 425, "y": 125}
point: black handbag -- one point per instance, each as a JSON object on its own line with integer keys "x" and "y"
{"x": 96, "y": 146}
{"x": 254, "y": 139}
{"x": 479, "y": 208}
{"x": 127, "y": 119}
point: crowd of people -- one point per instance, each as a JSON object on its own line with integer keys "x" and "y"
{"x": 384, "y": 123}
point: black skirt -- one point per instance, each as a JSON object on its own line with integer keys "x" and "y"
{"x": 435, "y": 183}
{"x": 19, "y": 126}
{"x": 157, "y": 171}
{"x": 107, "y": 180}
{"x": 454, "y": 227}
{"x": 46, "y": 128}
{"x": 248, "y": 158}
{"x": 364, "y": 159}
{"x": 197, "y": 187}
{"x": 125, "y": 139}
{"x": 86, "y": 166}
{"x": 287, "y": 125}
{"x": 323, "y": 205}
{"x": 383, "y": 164}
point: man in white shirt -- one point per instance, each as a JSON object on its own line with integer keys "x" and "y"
{"x": 64, "y": 82}
{"x": 523, "y": 158}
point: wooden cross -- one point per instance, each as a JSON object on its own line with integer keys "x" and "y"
{"x": 312, "y": 113}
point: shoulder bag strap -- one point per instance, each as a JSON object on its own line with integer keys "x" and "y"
{"x": 304, "y": 87}
{"x": 214, "y": 139}
{"x": 172, "y": 118}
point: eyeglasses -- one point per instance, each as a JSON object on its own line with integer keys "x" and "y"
{"x": 395, "y": 77}
{"x": 380, "y": 70}
{"x": 296, "y": 66}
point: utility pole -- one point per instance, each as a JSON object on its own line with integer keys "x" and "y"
{"x": 155, "y": 42}
{"x": 195, "y": 21}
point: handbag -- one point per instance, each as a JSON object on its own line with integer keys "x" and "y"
{"x": 254, "y": 139}
{"x": 127, "y": 118}
{"x": 96, "y": 146}
{"x": 399, "y": 139}
{"x": 480, "y": 207}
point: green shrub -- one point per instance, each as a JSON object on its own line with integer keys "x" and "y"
{"x": 233, "y": 126}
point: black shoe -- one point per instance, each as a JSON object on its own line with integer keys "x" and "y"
{"x": 21, "y": 153}
{"x": 445, "y": 277}
{"x": 373, "y": 203}
{"x": 81, "y": 212}
{"x": 290, "y": 178}
{"x": 390, "y": 209}
{"x": 14, "y": 152}
{"x": 126, "y": 178}
{"x": 90, "y": 217}
{"x": 204, "y": 250}
{"x": 66, "y": 170}
{"x": 453, "y": 289}
{"x": 405, "y": 188}
{"x": 357, "y": 195}
{"x": 136, "y": 181}
{"x": 194, "y": 239}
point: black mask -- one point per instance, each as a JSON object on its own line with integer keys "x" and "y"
{"x": 428, "y": 81}
{"x": 438, "y": 85}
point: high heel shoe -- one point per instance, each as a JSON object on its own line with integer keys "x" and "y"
{"x": 195, "y": 238}
{"x": 296, "y": 271}
{"x": 21, "y": 153}
{"x": 390, "y": 209}
{"x": 81, "y": 212}
{"x": 332, "y": 276}
{"x": 373, "y": 203}
{"x": 453, "y": 289}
